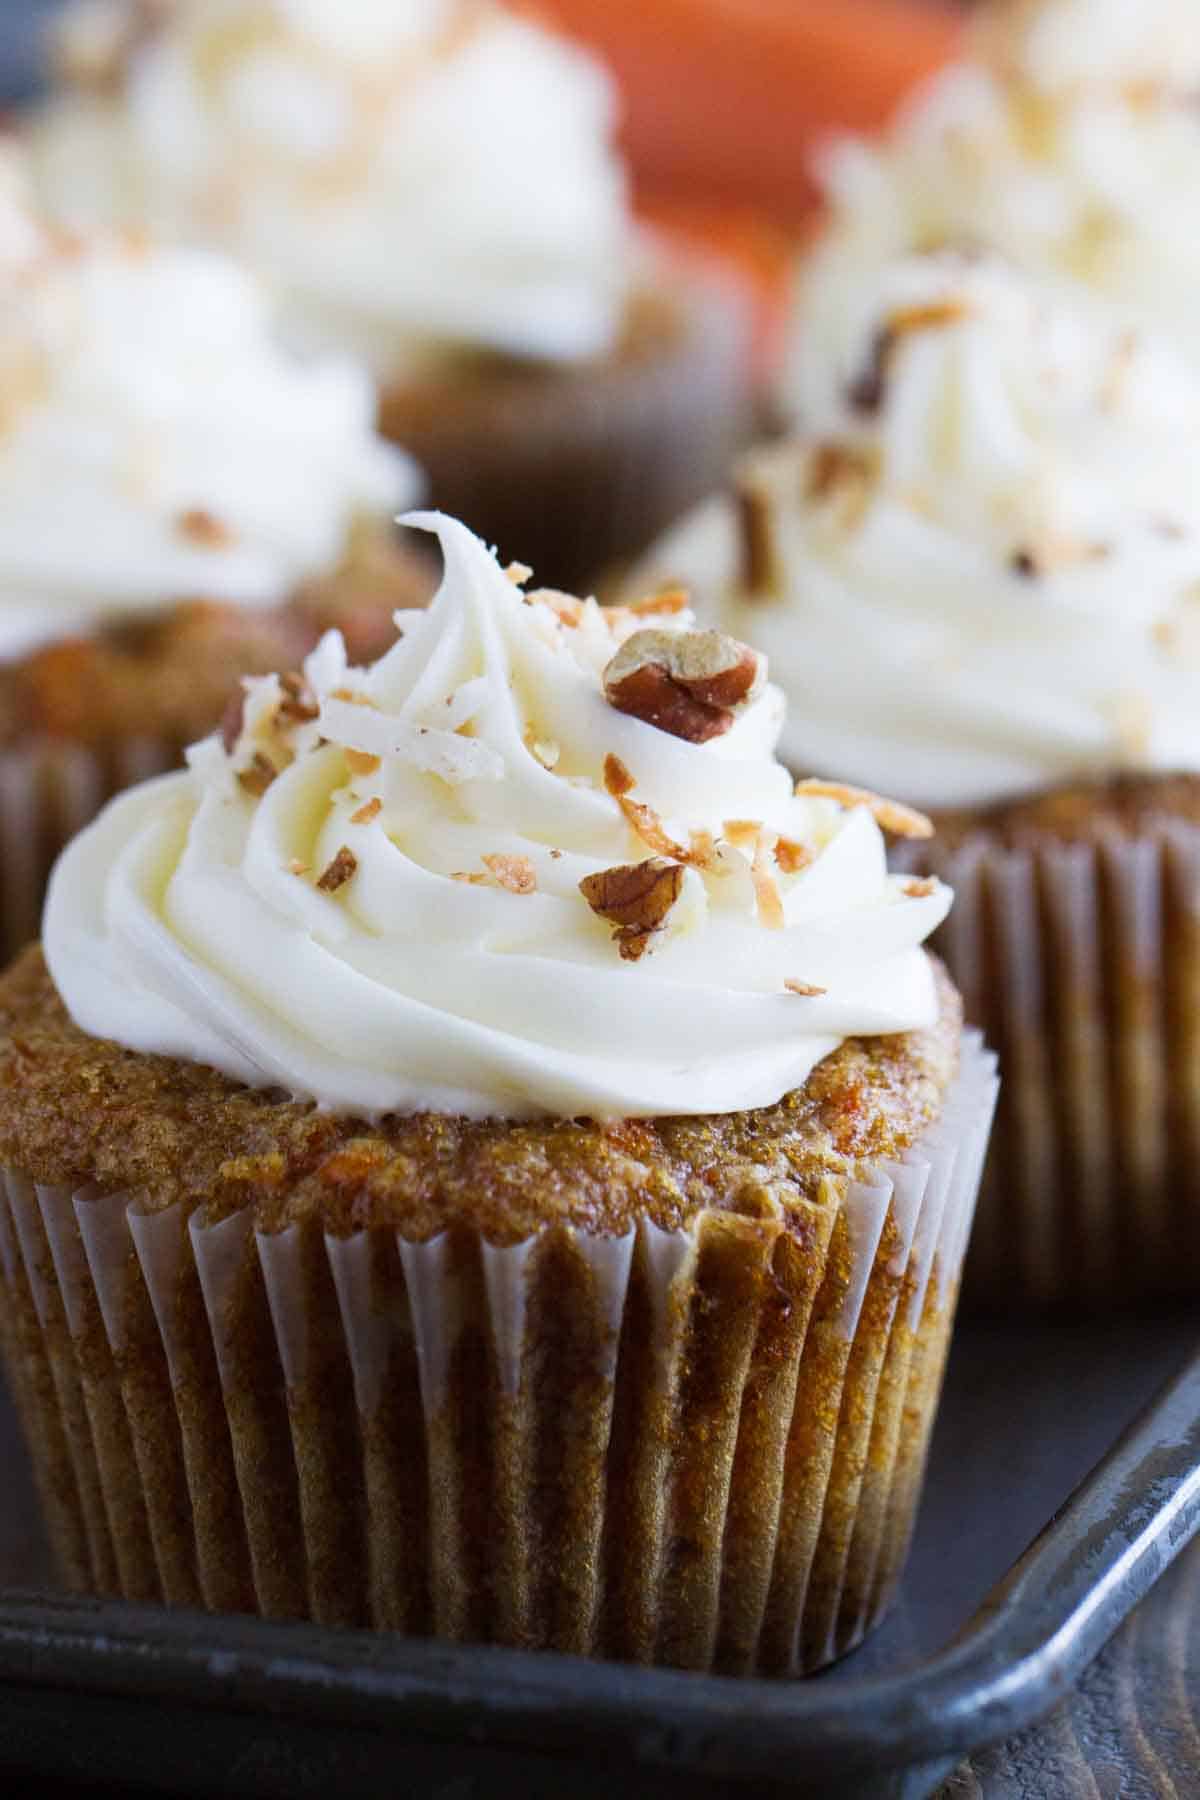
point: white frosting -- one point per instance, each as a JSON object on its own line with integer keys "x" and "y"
{"x": 411, "y": 174}
{"x": 1070, "y": 145}
{"x": 914, "y": 651}
{"x": 156, "y": 444}
{"x": 189, "y": 920}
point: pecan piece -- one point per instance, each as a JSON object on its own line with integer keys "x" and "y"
{"x": 868, "y": 391}
{"x": 299, "y": 704}
{"x": 204, "y": 528}
{"x": 636, "y": 898}
{"x": 691, "y": 684}
{"x": 257, "y": 778}
{"x": 339, "y": 871}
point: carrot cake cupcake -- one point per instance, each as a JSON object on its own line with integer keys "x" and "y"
{"x": 485, "y": 1156}
{"x": 180, "y": 501}
{"x": 977, "y": 576}
{"x": 433, "y": 184}
{"x": 1063, "y": 140}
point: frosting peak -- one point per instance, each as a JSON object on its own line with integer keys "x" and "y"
{"x": 156, "y": 444}
{"x": 466, "y": 880}
{"x": 979, "y": 569}
{"x": 413, "y": 175}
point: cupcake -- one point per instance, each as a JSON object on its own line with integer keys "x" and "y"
{"x": 1060, "y": 141}
{"x": 433, "y": 184}
{"x": 484, "y": 1157}
{"x": 180, "y": 501}
{"x": 978, "y": 578}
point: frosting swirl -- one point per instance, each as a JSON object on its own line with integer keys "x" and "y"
{"x": 1064, "y": 143}
{"x": 979, "y": 571}
{"x": 157, "y": 445}
{"x": 413, "y": 175}
{"x": 375, "y": 899}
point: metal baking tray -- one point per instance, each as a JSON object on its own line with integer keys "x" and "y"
{"x": 984, "y": 1640}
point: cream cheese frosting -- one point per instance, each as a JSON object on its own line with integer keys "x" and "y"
{"x": 1068, "y": 141}
{"x": 373, "y": 897}
{"x": 157, "y": 444}
{"x": 978, "y": 571}
{"x": 412, "y": 175}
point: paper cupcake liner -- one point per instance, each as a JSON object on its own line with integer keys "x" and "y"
{"x": 701, "y": 1447}
{"x": 575, "y": 470}
{"x": 1081, "y": 963}
{"x": 48, "y": 792}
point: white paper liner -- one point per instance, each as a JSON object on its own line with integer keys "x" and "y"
{"x": 721, "y": 1506}
{"x": 1081, "y": 964}
{"x": 48, "y": 792}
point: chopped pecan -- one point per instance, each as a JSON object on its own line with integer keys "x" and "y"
{"x": 759, "y": 571}
{"x": 868, "y": 391}
{"x": 204, "y": 528}
{"x": 361, "y": 762}
{"x": 691, "y": 684}
{"x": 299, "y": 704}
{"x": 339, "y": 871}
{"x": 920, "y": 887}
{"x": 902, "y": 821}
{"x": 232, "y": 720}
{"x": 370, "y": 809}
{"x": 636, "y": 898}
{"x": 258, "y": 776}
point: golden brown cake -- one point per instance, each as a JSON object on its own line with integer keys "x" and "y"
{"x": 381, "y": 1245}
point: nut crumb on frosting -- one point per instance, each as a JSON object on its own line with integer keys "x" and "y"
{"x": 296, "y": 867}
{"x": 258, "y": 776}
{"x": 843, "y": 476}
{"x": 691, "y": 684}
{"x": 868, "y": 391}
{"x": 361, "y": 762}
{"x": 901, "y": 821}
{"x": 920, "y": 887}
{"x": 204, "y": 528}
{"x": 636, "y": 898}
{"x": 368, "y": 811}
{"x": 791, "y": 856}
{"x": 805, "y": 989}
{"x": 516, "y": 873}
{"x": 766, "y": 889}
{"x": 339, "y": 871}
{"x": 299, "y": 704}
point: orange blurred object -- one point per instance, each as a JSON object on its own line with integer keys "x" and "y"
{"x": 726, "y": 99}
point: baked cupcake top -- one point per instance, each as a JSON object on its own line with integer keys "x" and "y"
{"x": 416, "y": 176}
{"x": 537, "y": 860}
{"x": 1065, "y": 140}
{"x": 157, "y": 444}
{"x": 979, "y": 569}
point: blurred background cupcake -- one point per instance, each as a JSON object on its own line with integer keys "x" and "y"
{"x": 434, "y": 185}
{"x": 601, "y": 1301}
{"x": 977, "y": 574}
{"x": 181, "y": 501}
{"x": 1063, "y": 138}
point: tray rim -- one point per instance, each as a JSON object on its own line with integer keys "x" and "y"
{"x": 1031, "y": 1638}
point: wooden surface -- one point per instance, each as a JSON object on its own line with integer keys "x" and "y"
{"x": 1132, "y": 1730}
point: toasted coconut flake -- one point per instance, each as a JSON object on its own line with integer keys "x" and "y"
{"x": 868, "y": 391}
{"x": 702, "y": 849}
{"x": 518, "y": 573}
{"x": 617, "y": 779}
{"x": 353, "y": 698}
{"x": 339, "y": 871}
{"x": 766, "y": 890}
{"x": 805, "y": 989}
{"x": 472, "y": 877}
{"x": 791, "y": 856}
{"x": 759, "y": 573}
{"x": 668, "y": 600}
{"x": 368, "y": 811}
{"x": 296, "y": 867}
{"x": 920, "y": 887}
{"x": 515, "y": 873}
{"x": 257, "y": 778}
{"x": 901, "y": 821}
{"x": 741, "y": 832}
{"x": 361, "y": 762}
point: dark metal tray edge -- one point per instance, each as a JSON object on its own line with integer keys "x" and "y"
{"x": 1026, "y": 1645}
